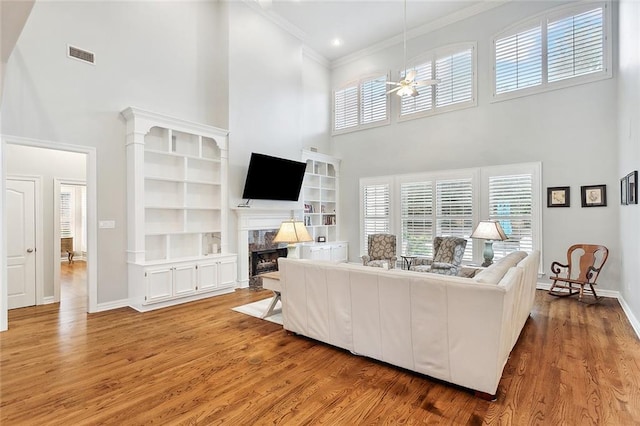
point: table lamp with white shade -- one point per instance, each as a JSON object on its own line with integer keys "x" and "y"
{"x": 490, "y": 231}
{"x": 292, "y": 232}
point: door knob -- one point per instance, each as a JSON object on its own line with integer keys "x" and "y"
{"x": 30, "y": 250}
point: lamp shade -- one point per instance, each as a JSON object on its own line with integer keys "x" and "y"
{"x": 489, "y": 230}
{"x": 292, "y": 231}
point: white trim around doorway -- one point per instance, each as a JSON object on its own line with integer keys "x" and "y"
{"x": 92, "y": 222}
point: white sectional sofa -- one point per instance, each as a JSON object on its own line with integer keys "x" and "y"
{"x": 460, "y": 330}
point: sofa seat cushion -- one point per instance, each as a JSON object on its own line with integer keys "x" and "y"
{"x": 494, "y": 273}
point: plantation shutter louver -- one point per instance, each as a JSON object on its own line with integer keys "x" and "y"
{"x": 376, "y": 210}
{"x": 510, "y": 203}
{"x": 66, "y": 215}
{"x": 454, "y": 211}
{"x": 373, "y": 100}
{"x": 346, "y": 108}
{"x": 519, "y": 61}
{"x": 576, "y": 45}
{"x": 455, "y": 73}
{"x": 416, "y": 200}
{"x": 422, "y": 102}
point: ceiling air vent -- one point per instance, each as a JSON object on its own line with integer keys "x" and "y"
{"x": 81, "y": 55}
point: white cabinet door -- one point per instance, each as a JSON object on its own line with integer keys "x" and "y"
{"x": 322, "y": 253}
{"x": 207, "y": 276}
{"x": 159, "y": 284}
{"x": 184, "y": 280}
{"x": 339, "y": 252}
{"x": 227, "y": 272}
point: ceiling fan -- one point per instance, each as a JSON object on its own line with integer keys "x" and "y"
{"x": 408, "y": 86}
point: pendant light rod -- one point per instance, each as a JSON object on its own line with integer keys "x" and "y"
{"x": 404, "y": 39}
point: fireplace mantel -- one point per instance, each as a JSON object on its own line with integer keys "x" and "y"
{"x": 250, "y": 219}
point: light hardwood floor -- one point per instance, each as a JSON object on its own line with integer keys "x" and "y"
{"x": 201, "y": 364}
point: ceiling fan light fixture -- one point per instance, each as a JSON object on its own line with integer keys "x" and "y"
{"x": 407, "y": 90}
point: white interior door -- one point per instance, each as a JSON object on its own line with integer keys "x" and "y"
{"x": 21, "y": 240}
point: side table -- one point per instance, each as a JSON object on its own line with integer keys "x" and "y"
{"x": 271, "y": 281}
{"x": 408, "y": 260}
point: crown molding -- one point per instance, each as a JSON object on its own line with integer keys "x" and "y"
{"x": 312, "y": 54}
{"x": 421, "y": 30}
{"x": 277, "y": 20}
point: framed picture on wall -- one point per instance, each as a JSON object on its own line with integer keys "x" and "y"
{"x": 623, "y": 190}
{"x": 559, "y": 196}
{"x": 594, "y": 195}
{"x": 632, "y": 187}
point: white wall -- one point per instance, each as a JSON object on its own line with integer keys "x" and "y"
{"x": 48, "y": 164}
{"x": 159, "y": 56}
{"x": 571, "y": 131}
{"x": 278, "y": 98}
{"x": 629, "y": 145}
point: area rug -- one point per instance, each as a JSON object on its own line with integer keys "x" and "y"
{"x": 256, "y": 309}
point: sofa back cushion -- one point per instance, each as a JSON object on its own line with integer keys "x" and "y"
{"x": 494, "y": 273}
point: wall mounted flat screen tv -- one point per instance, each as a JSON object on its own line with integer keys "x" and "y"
{"x": 273, "y": 178}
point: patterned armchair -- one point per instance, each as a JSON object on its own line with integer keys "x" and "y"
{"x": 448, "y": 253}
{"x": 382, "y": 251}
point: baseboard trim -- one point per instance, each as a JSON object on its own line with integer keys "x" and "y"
{"x": 116, "y": 304}
{"x": 48, "y": 300}
{"x": 601, "y": 291}
{"x": 635, "y": 324}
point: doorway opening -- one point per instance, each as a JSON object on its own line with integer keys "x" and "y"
{"x": 71, "y": 231}
{"x": 57, "y": 166}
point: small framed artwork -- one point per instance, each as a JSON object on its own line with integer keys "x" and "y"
{"x": 632, "y": 187}
{"x": 322, "y": 239}
{"x": 624, "y": 188}
{"x": 594, "y": 195}
{"x": 559, "y": 196}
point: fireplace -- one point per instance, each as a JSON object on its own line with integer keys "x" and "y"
{"x": 251, "y": 220}
{"x": 263, "y": 255}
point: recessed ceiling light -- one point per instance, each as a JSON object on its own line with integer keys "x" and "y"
{"x": 336, "y": 42}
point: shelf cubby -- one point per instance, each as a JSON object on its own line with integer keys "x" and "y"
{"x": 165, "y": 166}
{"x": 163, "y": 193}
{"x": 203, "y": 170}
{"x": 160, "y": 220}
{"x": 183, "y": 245}
{"x": 185, "y": 144}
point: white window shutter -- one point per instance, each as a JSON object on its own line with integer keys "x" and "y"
{"x": 416, "y": 204}
{"x": 510, "y": 203}
{"x": 519, "y": 60}
{"x": 455, "y": 73}
{"x": 454, "y": 211}
{"x": 346, "y": 108}
{"x": 373, "y": 100}
{"x": 376, "y": 210}
{"x": 576, "y": 45}
{"x": 66, "y": 214}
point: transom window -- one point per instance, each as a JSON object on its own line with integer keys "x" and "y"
{"x": 560, "y": 48}
{"x": 454, "y": 67}
{"x": 360, "y": 104}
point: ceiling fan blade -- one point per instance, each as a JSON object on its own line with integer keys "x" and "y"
{"x": 394, "y": 83}
{"x": 410, "y": 76}
{"x": 426, "y": 82}
{"x": 395, "y": 89}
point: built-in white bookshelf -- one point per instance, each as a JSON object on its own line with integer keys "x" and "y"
{"x": 320, "y": 195}
{"x": 177, "y": 204}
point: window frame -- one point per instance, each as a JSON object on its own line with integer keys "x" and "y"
{"x": 480, "y": 188}
{"x": 432, "y": 56}
{"x": 360, "y": 126}
{"x": 542, "y": 20}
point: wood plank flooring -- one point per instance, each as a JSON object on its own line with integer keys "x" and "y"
{"x": 202, "y": 364}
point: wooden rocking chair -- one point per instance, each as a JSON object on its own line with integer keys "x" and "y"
{"x": 589, "y": 263}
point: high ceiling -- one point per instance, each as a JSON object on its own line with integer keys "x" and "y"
{"x": 361, "y": 23}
